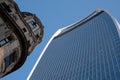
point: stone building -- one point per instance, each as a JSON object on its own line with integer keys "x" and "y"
{"x": 20, "y": 32}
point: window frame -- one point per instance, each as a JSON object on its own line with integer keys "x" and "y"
{"x": 37, "y": 36}
{"x": 5, "y": 41}
{"x": 24, "y": 30}
{"x": 10, "y": 59}
{"x": 32, "y": 24}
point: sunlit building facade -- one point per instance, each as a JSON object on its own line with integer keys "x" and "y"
{"x": 20, "y": 32}
{"x": 86, "y": 50}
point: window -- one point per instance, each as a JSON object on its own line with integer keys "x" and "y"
{"x": 29, "y": 43}
{"x": 32, "y": 24}
{"x": 24, "y": 30}
{"x": 5, "y": 41}
{"x": 6, "y": 7}
{"x": 37, "y": 36}
{"x": 2, "y": 42}
{"x": 9, "y": 59}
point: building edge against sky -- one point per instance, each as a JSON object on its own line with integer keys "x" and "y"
{"x": 70, "y": 27}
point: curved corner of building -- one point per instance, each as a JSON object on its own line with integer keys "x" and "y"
{"x": 20, "y": 33}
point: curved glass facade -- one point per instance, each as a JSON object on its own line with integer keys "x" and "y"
{"x": 88, "y": 51}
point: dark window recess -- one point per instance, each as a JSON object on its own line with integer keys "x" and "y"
{"x": 37, "y": 36}
{"x": 5, "y": 41}
{"x": 6, "y": 7}
{"x": 32, "y": 24}
{"x": 24, "y": 15}
{"x": 9, "y": 38}
{"x": 24, "y": 30}
{"x": 28, "y": 43}
{"x": 9, "y": 59}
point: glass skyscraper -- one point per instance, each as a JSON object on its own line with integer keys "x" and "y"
{"x": 86, "y": 50}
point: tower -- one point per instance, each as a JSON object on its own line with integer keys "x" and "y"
{"x": 20, "y": 32}
{"x": 86, "y": 50}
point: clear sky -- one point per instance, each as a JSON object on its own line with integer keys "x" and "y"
{"x": 55, "y": 14}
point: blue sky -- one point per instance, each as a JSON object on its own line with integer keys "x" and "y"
{"x": 55, "y": 14}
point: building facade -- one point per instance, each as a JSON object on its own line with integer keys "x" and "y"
{"x": 86, "y": 50}
{"x": 20, "y": 32}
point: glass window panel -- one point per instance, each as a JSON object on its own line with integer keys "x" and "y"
{"x": 9, "y": 59}
{"x": 2, "y": 42}
{"x": 84, "y": 51}
{"x": 32, "y": 24}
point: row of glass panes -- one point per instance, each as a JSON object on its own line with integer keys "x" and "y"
{"x": 5, "y": 41}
